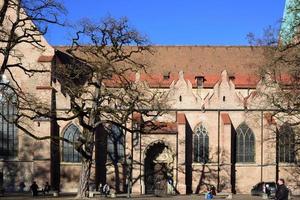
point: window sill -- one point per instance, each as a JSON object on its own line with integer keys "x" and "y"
{"x": 252, "y": 164}
{"x": 288, "y": 165}
{"x": 71, "y": 163}
{"x": 207, "y": 164}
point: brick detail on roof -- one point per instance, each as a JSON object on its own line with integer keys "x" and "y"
{"x": 137, "y": 117}
{"x": 45, "y": 58}
{"x": 241, "y": 62}
{"x": 44, "y": 87}
{"x": 181, "y": 118}
{"x": 270, "y": 119}
{"x": 226, "y": 118}
{"x": 162, "y": 127}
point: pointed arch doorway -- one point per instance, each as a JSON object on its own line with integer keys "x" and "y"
{"x": 158, "y": 167}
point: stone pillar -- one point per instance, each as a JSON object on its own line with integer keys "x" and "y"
{"x": 137, "y": 163}
{"x": 226, "y": 164}
{"x": 181, "y": 125}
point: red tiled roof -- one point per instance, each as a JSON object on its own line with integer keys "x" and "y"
{"x": 181, "y": 118}
{"x": 45, "y": 58}
{"x": 137, "y": 117}
{"x": 242, "y": 62}
{"x": 161, "y": 127}
{"x": 240, "y": 81}
{"x": 226, "y": 118}
{"x": 270, "y": 119}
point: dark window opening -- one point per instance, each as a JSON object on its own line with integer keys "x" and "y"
{"x": 8, "y": 129}
{"x": 200, "y": 81}
{"x": 166, "y": 75}
{"x": 201, "y": 142}
{"x": 180, "y": 98}
{"x": 286, "y": 144}
{"x": 224, "y": 98}
{"x": 70, "y": 154}
{"x": 232, "y": 77}
{"x": 115, "y": 144}
{"x": 245, "y": 144}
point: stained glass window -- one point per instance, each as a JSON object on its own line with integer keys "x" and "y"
{"x": 201, "y": 142}
{"x": 245, "y": 144}
{"x": 8, "y": 130}
{"x": 69, "y": 152}
{"x": 286, "y": 144}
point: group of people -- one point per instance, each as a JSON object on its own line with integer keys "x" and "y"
{"x": 34, "y": 188}
{"x": 282, "y": 192}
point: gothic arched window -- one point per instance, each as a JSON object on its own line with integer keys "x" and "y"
{"x": 69, "y": 153}
{"x": 201, "y": 142}
{"x": 245, "y": 144}
{"x": 115, "y": 144}
{"x": 8, "y": 130}
{"x": 286, "y": 144}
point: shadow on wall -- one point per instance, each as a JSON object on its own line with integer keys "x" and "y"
{"x": 20, "y": 170}
{"x": 209, "y": 174}
{"x": 292, "y": 178}
{"x": 70, "y": 177}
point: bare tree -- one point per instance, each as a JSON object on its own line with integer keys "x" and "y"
{"x": 24, "y": 22}
{"x": 101, "y": 79}
{"x": 279, "y": 90}
{"x": 98, "y": 76}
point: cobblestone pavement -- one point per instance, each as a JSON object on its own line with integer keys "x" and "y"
{"x": 179, "y": 197}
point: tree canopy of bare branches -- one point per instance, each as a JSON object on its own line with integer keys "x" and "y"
{"x": 99, "y": 75}
{"x": 280, "y": 76}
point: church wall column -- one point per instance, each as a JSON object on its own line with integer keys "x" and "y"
{"x": 226, "y": 154}
{"x": 135, "y": 144}
{"x": 181, "y": 125}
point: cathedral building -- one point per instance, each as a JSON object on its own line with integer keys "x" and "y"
{"x": 217, "y": 131}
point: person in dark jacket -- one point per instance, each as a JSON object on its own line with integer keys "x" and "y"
{"x": 282, "y": 192}
{"x": 34, "y": 188}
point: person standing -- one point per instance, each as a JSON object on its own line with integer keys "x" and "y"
{"x": 282, "y": 192}
{"x": 22, "y": 186}
{"x": 106, "y": 189}
{"x": 34, "y": 188}
{"x": 46, "y": 188}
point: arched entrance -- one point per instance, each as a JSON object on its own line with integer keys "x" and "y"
{"x": 158, "y": 169}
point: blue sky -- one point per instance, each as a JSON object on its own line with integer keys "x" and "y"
{"x": 178, "y": 22}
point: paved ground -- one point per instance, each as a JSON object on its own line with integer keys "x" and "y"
{"x": 179, "y": 197}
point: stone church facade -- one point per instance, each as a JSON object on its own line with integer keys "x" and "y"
{"x": 218, "y": 130}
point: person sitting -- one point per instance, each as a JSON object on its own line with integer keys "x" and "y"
{"x": 208, "y": 194}
{"x": 34, "y": 188}
{"x": 213, "y": 190}
{"x": 46, "y": 188}
{"x": 100, "y": 189}
{"x": 22, "y": 186}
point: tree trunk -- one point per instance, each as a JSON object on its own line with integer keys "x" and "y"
{"x": 85, "y": 174}
{"x": 89, "y": 147}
